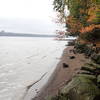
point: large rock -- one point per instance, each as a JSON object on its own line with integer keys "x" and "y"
{"x": 65, "y": 65}
{"x": 92, "y": 64}
{"x": 81, "y": 87}
{"x": 91, "y": 68}
{"x": 84, "y": 86}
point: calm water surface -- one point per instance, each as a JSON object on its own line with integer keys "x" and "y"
{"x": 23, "y": 61}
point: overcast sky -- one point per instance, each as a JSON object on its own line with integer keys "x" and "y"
{"x": 27, "y": 16}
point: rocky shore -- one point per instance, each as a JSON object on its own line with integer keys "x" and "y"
{"x": 77, "y": 76}
{"x": 85, "y": 85}
{"x": 62, "y": 75}
{"x": 82, "y": 22}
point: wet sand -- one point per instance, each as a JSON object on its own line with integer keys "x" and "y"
{"x": 62, "y": 75}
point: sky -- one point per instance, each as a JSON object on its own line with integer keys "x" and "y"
{"x": 27, "y": 16}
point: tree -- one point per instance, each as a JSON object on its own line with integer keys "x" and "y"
{"x": 84, "y": 15}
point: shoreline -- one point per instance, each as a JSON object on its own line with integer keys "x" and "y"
{"x": 62, "y": 76}
{"x": 35, "y": 88}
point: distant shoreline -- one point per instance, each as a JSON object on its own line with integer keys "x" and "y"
{"x": 9, "y": 34}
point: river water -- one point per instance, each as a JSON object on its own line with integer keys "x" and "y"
{"x": 23, "y": 61}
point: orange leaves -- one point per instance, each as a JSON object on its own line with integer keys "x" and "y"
{"x": 82, "y": 11}
{"x": 92, "y": 14}
{"x": 89, "y": 28}
{"x": 77, "y": 25}
{"x": 91, "y": 18}
{"x": 84, "y": 16}
{"x": 74, "y": 24}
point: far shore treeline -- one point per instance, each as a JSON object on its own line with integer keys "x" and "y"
{"x": 10, "y": 34}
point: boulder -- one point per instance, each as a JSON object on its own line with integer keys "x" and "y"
{"x": 72, "y": 57}
{"x": 84, "y": 86}
{"x": 89, "y": 69}
{"x": 81, "y": 87}
{"x": 65, "y": 65}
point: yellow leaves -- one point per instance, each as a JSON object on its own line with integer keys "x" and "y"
{"x": 92, "y": 13}
{"x": 91, "y": 10}
{"x": 93, "y": 1}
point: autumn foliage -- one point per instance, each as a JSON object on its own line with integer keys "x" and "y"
{"x": 89, "y": 28}
{"x": 84, "y": 15}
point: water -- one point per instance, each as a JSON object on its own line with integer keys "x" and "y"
{"x": 23, "y": 61}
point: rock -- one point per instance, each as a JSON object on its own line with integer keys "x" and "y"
{"x": 71, "y": 43}
{"x": 59, "y": 97}
{"x": 72, "y": 57}
{"x": 86, "y": 72}
{"x": 94, "y": 65}
{"x": 89, "y": 69}
{"x": 96, "y": 58}
{"x": 65, "y": 65}
{"x": 90, "y": 77}
{"x": 98, "y": 79}
{"x": 81, "y": 87}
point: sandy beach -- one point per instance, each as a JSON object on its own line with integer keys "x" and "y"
{"x": 61, "y": 75}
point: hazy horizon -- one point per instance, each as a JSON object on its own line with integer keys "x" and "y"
{"x": 28, "y": 26}
{"x": 27, "y": 16}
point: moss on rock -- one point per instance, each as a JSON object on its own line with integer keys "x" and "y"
{"x": 81, "y": 87}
